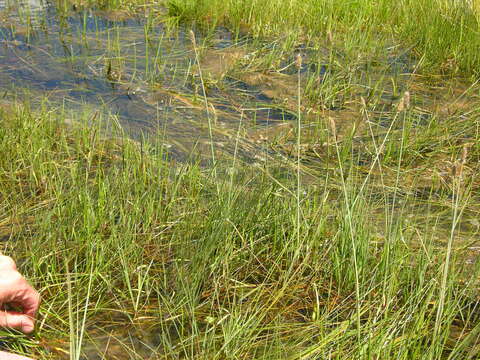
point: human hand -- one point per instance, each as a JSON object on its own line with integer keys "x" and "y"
{"x": 16, "y": 293}
{"x": 10, "y": 356}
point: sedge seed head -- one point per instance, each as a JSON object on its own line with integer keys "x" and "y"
{"x": 333, "y": 127}
{"x": 192, "y": 38}
{"x": 298, "y": 61}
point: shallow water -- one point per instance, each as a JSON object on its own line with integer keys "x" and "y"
{"x": 143, "y": 74}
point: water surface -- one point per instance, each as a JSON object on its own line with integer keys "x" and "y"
{"x": 135, "y": 70}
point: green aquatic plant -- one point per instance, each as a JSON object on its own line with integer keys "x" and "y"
{"x": 441, "y": 33}
{"x": 112, "y": 233}
{"x": 346, "y": 229}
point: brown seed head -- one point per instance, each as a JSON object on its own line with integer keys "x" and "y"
{"x": 298, "y": 61}
{"x": 333, "y": 127}
{"x": 192, "y": 38}
{"x": 404, "y": 103}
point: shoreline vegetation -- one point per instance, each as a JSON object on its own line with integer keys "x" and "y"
{"x": 361, "y": 242}
{"x": 441, "y": 35}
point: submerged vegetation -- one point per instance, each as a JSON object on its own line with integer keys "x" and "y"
{"x": 244, "y": 179}
{"x": 136, "y": 258}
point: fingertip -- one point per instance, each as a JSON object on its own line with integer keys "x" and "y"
{"x": 17, "y": 321}
{"x": 27, "y": 324}
{"x": 28, "y": 328}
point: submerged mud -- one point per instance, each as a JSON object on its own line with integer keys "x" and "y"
{"x": 157, "y": 81}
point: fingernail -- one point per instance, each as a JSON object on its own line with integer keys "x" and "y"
{"x": 28, "y": 328}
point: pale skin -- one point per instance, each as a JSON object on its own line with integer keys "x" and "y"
{"x": 19, "y": 302}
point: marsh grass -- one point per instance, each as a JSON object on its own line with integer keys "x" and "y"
{"x": 356, "y": 241}
{"x": 121, "y": 242}
{"x": 441, "y": 34}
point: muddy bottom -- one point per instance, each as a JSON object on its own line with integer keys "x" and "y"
{"x": 189, "y": 89}
{"x": 149, "y": 80}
